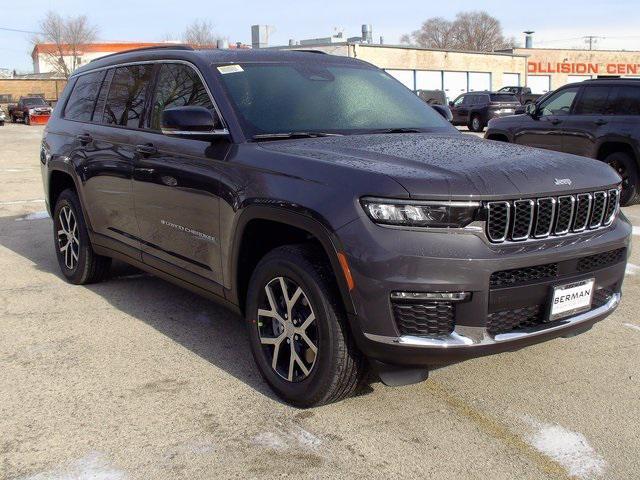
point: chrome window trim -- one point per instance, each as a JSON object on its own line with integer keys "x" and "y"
{"x": 555, "y": 223}
{"x": 396, "y": 201}
{"x": 592, "y": 225}
{"x": 515, "y": 216}
{"x": 586, "y": 222}
{"x": 553, "y": 216}
{"x": 506, "y": 230}
{"x": 222, "y": 131}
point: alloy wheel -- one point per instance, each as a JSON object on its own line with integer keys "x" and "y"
{"x": 622, "y": 171}
{"x": 68, "y": 237}
{"x": 287, "y": 329}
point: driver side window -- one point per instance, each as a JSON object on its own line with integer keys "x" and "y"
{"x": 560, "y": 103}
{"x": 458, "y": 101}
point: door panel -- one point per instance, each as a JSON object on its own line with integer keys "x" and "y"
{"x": 590, "y": 120}
{"x": 455, "y": 83}
{"x": 177, "y": 199}
{"x": 539, "y": 84}
{"x": 479, "y": 82}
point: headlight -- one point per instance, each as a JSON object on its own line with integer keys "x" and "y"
{"x": 32, "y": 111}
{"x": 409, "y": 213}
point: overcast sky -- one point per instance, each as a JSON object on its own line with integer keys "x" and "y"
{"x": 558, "y": 23}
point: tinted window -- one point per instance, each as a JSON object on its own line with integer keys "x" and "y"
{"x": 126, "y": 99}
{"x": 177, "y": 86}
{"x": 626, "y": 101}
{"x": 324, "y": 97}
{"x": 503, "y": 98}
{"x": 594, "y": 101}
{"x": 83, "y": 97}
{"x": 560, "y": 102}
{"x": 34, "y": 102}
{"x": 458, "y": 101}
{"x": 468, "y": 100}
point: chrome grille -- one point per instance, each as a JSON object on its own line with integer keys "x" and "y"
{"x": 522, "y": 219}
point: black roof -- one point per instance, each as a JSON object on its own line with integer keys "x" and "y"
{"x": 216, "y": 56}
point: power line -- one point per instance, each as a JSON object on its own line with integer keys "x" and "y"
{"x": 19, "y": 31}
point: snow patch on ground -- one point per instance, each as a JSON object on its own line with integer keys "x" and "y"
{"x": 632, "y": 326}
{"x": 632, "y": 269}
{"x": 284, "y": 439}
{"x": 34, "y": 216}
{"x": 569, "y": 449}
{"x": 94, "y": 466}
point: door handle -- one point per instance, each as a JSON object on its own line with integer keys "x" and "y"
{"x": 600, "y": 122}
{"x": 84, "y": 138}
{"x": 146, "y": 171}
{"x": 146, "y": 149}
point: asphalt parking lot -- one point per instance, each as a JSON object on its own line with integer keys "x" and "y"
{"x": 137, "y": 379}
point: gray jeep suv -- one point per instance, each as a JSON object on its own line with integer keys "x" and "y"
{"x": 348, "y": 223}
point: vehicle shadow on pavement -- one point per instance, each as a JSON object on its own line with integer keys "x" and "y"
{"x": 206, "y": 329}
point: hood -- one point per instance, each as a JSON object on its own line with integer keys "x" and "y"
{"x": 457, "y": 166}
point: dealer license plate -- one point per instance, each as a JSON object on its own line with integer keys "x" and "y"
{"x": 571, "y": 299}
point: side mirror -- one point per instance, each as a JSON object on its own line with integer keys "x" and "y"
{"x": 451, "y": 104}
{"x": 443, "y": 111}
{"x": 531, "y": 109}
{"x": 192, "y": 122}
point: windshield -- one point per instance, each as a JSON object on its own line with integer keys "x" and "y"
{"x": 300, "y": 97}
{"x": 34, "y": 102}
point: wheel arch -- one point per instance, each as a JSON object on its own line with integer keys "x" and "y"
{"x": 287, "y": 227}
{"x": 608, "y": 147}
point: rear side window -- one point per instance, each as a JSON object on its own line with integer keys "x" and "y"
{"x": 83, "y": 97}
{"x": 503, "y": 97}
{"x": 626, "y": 101}
{"x": 178, "y": 86}
{"x": 127, "y": 94}
{"x": 594, "y": 101}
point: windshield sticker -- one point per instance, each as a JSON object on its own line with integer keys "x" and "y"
{"x": 224, "y": 69}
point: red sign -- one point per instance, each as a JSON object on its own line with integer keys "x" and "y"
{"x": 585, "y": 68}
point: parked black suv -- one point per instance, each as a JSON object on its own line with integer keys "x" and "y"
{"x": 475, "y": 109}
{"x": 596, "y": 118}
{"x": 350, "y": 224}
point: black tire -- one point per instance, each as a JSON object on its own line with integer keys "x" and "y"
{"x": 14, "y": 119}
{"x": 26, "y": 120}
{"x": 626, "y": 167}
{"x": 80, "y": 265}
{"x": 338, "y": 366}
{"x": 475, "y": 124}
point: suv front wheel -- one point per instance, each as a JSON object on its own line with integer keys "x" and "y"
{"x": 298, "y": 330}
{"x": 476, "y": 125}
{"x": 626, "y": 168}
{"x": 78, "y": 262}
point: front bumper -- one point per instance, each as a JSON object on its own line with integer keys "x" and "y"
{"x": 421, "y": 261}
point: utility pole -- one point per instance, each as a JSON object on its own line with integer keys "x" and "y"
{"x": 591, "y": 40}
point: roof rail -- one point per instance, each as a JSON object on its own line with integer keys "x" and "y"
{"x": 145, "y": 49}
{"x": 609, "y": 79}
{"x": 310, "y": 50}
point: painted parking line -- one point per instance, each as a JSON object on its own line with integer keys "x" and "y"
{"x": 632, "y": 326}
{"x": 19, "y": 202}
{"x": 34, "y": 216}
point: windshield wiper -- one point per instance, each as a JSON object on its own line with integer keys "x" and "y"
{"x": 277, "y": 136}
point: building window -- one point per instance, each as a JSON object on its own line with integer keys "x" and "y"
{"x": 5, "y": 98}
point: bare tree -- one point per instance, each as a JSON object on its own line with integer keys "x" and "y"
{"x": 474, "y": 31}
{"x": 435, "y": 32}
{"x": 200, "y": 34}
{"x": 67, "y": 37}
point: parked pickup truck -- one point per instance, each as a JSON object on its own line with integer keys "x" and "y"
{"x": 523, "y": 94}
{"x": 30, "y": 110}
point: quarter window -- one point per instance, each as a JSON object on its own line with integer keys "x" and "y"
{"x": 178, "y": 86}
{"x": 594, "y": 101}
{"x": 126, "y": 100}
{"x": 83, "y": 97}
{"x": 626, "y": 101}
{"x": 560, "y": 103}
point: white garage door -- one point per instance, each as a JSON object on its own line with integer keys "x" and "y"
{"x": 577, "y": 78}
{"x": 428, "y": 80}
{"x": 539, "y": 83}
{"x": 404, "y": 76}
{"x": 455, "y": 83}
{"x": 479, "y": 82}
{"x": 510, "y": 80}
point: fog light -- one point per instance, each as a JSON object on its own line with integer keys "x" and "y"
{"x": 432, "y": 296}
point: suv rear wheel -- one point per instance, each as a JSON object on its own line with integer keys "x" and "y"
{"x": 298, "y": 331}
{"x": 476, "y": 124}
{"x": 627, "y": 169}
{"x": 77, "y": 260}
